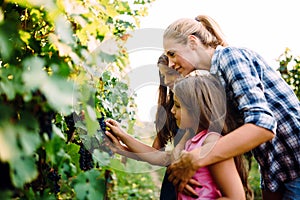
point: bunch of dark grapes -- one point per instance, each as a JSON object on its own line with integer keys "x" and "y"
{"x": 54, "y": 177}
{"x": 103, "y": 136}
{"x": 85, "y": 159}
{"x": 71, "y": 126}
{"x": 102, "y": 123}
{"x": 45, "y": 122}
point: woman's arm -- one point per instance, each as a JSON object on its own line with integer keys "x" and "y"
{"x": 235, "y": 143}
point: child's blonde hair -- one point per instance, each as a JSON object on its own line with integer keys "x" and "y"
{"x": 204, "y": 96}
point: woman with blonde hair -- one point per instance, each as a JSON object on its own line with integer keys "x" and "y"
{"x": 269, "y": 107}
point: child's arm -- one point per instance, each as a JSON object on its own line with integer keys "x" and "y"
{"x": 225, "y": 175}
{"x": 143, "y": 151}
{"x": 115, "y": 146}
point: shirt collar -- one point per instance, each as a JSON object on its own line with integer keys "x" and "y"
{"x": 214, "y": 60}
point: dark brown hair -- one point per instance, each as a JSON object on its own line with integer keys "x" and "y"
{"x": 166, "y": 127}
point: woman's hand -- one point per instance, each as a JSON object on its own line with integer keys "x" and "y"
{"x": 182, "y": 170}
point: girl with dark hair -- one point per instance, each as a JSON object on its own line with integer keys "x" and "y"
{"x": 200, "y": 108}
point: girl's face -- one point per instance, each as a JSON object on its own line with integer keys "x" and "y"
{"x": 186, "y": 58}
{"x": 181, "y": 114}
{"x": 170, "y": 75}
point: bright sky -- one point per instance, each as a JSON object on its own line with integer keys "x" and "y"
{"x": 265, "y": 26}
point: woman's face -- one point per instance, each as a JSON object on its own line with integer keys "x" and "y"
{"x": 181, "y": 114}
{"x": 170, "y": 75}
{"x": 179, "y": 57}
{"x": 186, "y": 58}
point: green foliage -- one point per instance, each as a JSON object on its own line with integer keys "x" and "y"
{"x": 254, "y": 179}
{"x": 134, "y": 186}
{"x": 59, "y": 68}
{"x": 290, "y": 70}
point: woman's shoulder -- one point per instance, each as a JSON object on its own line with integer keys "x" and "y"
{"x": 231, "y": 50}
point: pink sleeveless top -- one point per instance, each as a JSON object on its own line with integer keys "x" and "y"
{"x": 209, "y": 189}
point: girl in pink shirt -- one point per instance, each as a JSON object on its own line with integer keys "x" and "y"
{"x": 200, "y": 108}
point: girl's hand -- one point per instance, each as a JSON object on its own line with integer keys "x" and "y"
{"x": 114, "y": 143}
{"x": 114, "y": 128}
{"x": 189, "y": 188}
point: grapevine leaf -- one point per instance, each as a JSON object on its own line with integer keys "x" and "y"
{"x": 59, "y": 94}
{"x": 117, "y": 164}
{"x": 91, "y": 122}
{"x": 101, "y": 157}
{"x": 29, "y": 141}
{"x": 72, "y": 150}
{"x": 6, "y": 47}
{"x": 25, "y": 36}
{"x": 22, "y": 170}
{"x": 8, "y": 143}
{"x": 63, "y": 30}
{"x": 89, "y": 185}
{"x": 7, "y": 88}
{"x": 34, "y": 76}
{"x": 58, "y": 132}
{"x": 52, "y": 148}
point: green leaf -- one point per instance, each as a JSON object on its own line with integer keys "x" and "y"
{"x": 11, "y": 81}
{"x": 72, "y": 150}
{"x": 103, "y": 158}
{"x": 9, "y": 148}
{"x": 89, "y": 185}
{"x": 52, "y": 148}
{"x": 33, "y": 75}
{"x": 29, "y": 141}
{"x": 59, "y": 93}
{"x": 25, "y": 36}
{"x": 92, "y": 124}
{"x": 6, "y": 46}
{"x": 7, "y": 87}
{"x": 22, "y": 170}
{"x": 58, "y": 132}
{"x": 117, "y": 164}
{"x": 63, "y": 30}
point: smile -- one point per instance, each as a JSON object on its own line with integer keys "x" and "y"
{"x": 178, "y": 68}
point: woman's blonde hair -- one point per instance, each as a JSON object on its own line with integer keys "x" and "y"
{"x": 203, "y": 27}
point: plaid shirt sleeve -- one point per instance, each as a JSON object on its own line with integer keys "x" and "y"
{"x": 242, "y": 79}
{"x": 266, "y": 100}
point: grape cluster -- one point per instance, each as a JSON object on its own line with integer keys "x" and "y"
{"x": 45, "y": 123}
{"x": 54, "y": 177}
{"x": 85, "y": 159}
{"x": 104, "y": 138}
{"x": 102, "y": 124}
{"x": 71, "y": 126}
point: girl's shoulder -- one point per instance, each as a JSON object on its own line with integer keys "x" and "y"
{"x": 211, "y": 137}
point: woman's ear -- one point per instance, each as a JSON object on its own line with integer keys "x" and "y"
{"x": 193, "y": 42}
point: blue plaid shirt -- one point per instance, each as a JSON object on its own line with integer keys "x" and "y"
{"x": 264, "y": 99}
